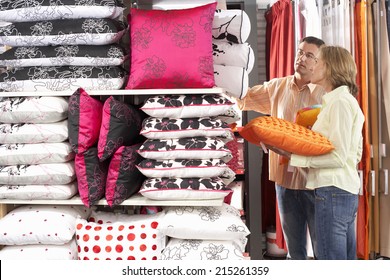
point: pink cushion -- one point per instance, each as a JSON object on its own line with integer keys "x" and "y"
{"x": 171, "y": 49}
{"x": 84, "y": 133}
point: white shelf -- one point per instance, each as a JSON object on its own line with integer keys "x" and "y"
{"x": 214, "y": 90}
{"x": 135, "y": 200}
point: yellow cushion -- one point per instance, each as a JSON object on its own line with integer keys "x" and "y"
{"x": 307, "y": 116}
{"x": 285, "y": 135}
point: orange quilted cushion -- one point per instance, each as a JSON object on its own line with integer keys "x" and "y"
{"x": 285, "y": 135}
{"x": 308, "y": 115}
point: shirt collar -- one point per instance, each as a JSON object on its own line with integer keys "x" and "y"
{"x": 332, "y": 94}
{"x": 310, "y": 85}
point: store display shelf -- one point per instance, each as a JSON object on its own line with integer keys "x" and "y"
{"x": 135, "y": 200}
{"x": 214, "y": 90}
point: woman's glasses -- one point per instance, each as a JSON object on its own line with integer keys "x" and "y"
{"x": 309, "y": 56}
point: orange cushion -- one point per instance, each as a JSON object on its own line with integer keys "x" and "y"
{"x": 285, "y": 135}
{"x": 307, "y": 116}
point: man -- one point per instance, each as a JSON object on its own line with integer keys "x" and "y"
{"x": 282, "y": 98}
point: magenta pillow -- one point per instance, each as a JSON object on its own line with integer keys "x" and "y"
{"x": 84, "y": 120}
{"x": 123, "y": 178}
{"x": 91, "y": 176}
{"x": 121, "y": 125}
{"x": 171, "y": 48}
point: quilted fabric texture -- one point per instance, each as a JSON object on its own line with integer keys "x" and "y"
{"x": 286, "y": 135}
{"x": 186, "y": 34}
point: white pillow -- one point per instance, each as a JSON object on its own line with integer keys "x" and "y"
{"x": 231, "y": 25}
{"x": 186, "y": 106}
{"x": 127, "y": 240}
{"x": 205, "y": 250}
{"x": 166, "y": 128}
{"x": 184, "y": 188}
{"x": 184, "y": 168}
{"x": 240, "y": 55}
{"x": 185, "y": 148}
{"x": 207, "y": 222}
{"x": 66, "y": 251}
{"x": 39, "y": 174}
{"x": 38, "y": 191}
{"x": 12, "y": 154}
{"x": 48, "y": 10}
{"x": 234, "y": 79}
{"x": 37, "y": 109}
{"x": 34, "y": 133}
{"x": 40, "y": 224}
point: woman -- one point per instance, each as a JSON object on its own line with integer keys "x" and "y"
{"x": 334, "y": 176}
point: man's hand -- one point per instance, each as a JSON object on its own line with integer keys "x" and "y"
{"x": 278, "y": 151}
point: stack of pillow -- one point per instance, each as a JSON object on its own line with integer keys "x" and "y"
{"x": 105, "y": 138}
{"x": 36, "y": 159}
{"x": 41, "y": 232}
{"x": 233, "y": 57}
{"x": 59, "y": 46}
{"x": 203, "y": 233}
{"x": 185, "y": 151}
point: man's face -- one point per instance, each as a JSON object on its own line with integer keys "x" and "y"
{"x": 305, "y": 58}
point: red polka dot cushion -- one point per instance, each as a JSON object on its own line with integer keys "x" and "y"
{"x": 124, "y": 239}
{"x": 285, "y": 135}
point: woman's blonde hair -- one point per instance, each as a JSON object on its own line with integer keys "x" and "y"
{"x": 340, "y": 67}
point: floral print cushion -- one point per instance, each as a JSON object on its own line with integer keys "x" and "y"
{"x": 185, "y": 148}
{"x": 184, "y": 188}
{"x": 18, "y": 11}
{"x": 121, "y": 124}
{"x": 67, "y": 55}
{"x": 186, "y": 106}
{"x": 62, "y": 78}
{"x": 187, "y": 168}
{"x": 83, "y": 31}
{"x": 186, "y": 33}
{"x": 205, "y": 250}
{"x": 165, "y": 128}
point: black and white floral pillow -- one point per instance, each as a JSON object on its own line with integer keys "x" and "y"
{"x": 234, "y": 79}
{"x": 64, "y": 55}
{"x": 231, "y": 26}
{"x": 186, "y": 148}
{"x": 187, "y": 168}
{"x": 231, "y": 54}
{"x": 186, "y": 106}
{"x": 184, "y": 188}
{"x": 19, "y": 11}
{"x": 33, "y": 109}
{"x": 204, "y": 222}
{"x": 205, "y": 250}
{"x": 38, "y": 174}
{"x": 62, "y": 78}
{"x": 85, "y": 31}
{"x": 165, "y": 128}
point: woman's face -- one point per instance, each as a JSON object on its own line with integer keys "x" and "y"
{"x": 319, "y": 69}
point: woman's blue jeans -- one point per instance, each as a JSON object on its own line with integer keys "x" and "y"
{"x": 335, "y": 216}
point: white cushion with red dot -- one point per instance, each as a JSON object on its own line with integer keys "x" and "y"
{"x": 125, "y": 239}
